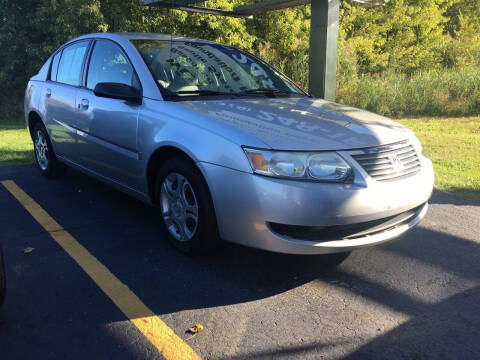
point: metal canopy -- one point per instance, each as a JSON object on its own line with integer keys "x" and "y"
{"x": 269, "y": 5}
{"x": 188, "y": 5}
{"x": 323, "y": 32}
{"x": 161, "y": 3}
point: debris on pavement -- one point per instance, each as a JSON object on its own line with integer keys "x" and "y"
{"x": 28, "y": 250}
{"x": 194, "y": 330}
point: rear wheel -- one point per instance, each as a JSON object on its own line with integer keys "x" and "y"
{"x": 186, "y": 206}
{"x": 44, "y": 155}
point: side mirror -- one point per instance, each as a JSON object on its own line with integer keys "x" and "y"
{"x": 118, "y": 91}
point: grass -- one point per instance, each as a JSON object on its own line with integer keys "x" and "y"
{"x": 15, "y": 144}
{"x": 453, "y": 145}
{"x": 447, "y": 92}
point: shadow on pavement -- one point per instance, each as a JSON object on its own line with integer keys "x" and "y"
{"x": 441, "y": 197}
{"x": 446, "y": 330}
{"x": 126, "y": 236}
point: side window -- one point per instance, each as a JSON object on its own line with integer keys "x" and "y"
{"x": 54, "y": 70}
{"x": 110, "y": 64}
{"x": 70, "y": 67}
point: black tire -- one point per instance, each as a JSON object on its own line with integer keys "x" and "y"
{"x": 52, "y": 167}
{"x": 204, "y": 238}
{"x": 3, "y": 286}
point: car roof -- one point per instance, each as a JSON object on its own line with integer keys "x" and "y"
{"x": 137, "y": 36}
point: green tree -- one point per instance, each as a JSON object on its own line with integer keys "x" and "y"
{"x": 282, "y": 38}
{"x": 403, "y": 35}
{"x": 31, "y": 30}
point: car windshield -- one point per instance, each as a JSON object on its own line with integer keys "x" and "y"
{"x": 189, "y": 68}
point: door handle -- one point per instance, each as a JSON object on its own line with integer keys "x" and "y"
{"x": 83, "y": 104}
{"x": 48, "y": 93}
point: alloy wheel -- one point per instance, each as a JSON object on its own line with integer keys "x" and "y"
{"x": 41, "y": 150}
{"x": 179, "y": 207}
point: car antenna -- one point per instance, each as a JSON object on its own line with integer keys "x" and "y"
{"x": 171, "y": 35}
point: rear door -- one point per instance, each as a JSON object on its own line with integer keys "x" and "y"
{"x": 108, "y": 136}
{"x": 60, "y": 97}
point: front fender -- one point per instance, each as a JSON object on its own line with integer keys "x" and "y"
{"x": 166, "y": 124}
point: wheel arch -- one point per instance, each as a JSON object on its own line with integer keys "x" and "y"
{"x": 33, "y": 119}
{"x": 157, "y": 158}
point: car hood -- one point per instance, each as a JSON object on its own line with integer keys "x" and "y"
{"x": 301, "y": 123}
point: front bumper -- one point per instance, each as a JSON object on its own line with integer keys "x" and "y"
{"x": 246, "y": 204}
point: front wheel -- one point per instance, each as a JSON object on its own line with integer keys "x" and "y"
{"x": 186, "y": 206}
{"x": 44, "y": 154}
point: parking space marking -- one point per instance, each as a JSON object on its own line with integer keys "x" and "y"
{"x": 171, "y": 346}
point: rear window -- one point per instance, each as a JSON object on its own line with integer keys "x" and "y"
{"x": 70, "y": 67}
{"x": 54, "y": 70}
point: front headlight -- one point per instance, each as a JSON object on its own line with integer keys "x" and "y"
{"x": 321, "y": 166}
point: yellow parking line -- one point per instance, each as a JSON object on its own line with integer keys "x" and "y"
{"x": 150, "y": 325}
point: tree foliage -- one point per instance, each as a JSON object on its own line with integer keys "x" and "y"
{"x": 31, "y": 30}
{"x": 403, "y": 36}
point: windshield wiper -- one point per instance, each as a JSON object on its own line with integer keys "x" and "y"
{"x": 202, "y": 93}
{"x": 250, "y": 92}
{"x": 268, "y": 91}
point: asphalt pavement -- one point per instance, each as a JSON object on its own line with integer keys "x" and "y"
{"x": 414, "y": 298}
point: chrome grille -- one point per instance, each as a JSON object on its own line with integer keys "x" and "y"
{"x": 389, "y": 162}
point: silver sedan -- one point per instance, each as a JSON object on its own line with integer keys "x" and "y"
{"x": 225, "y": 145}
